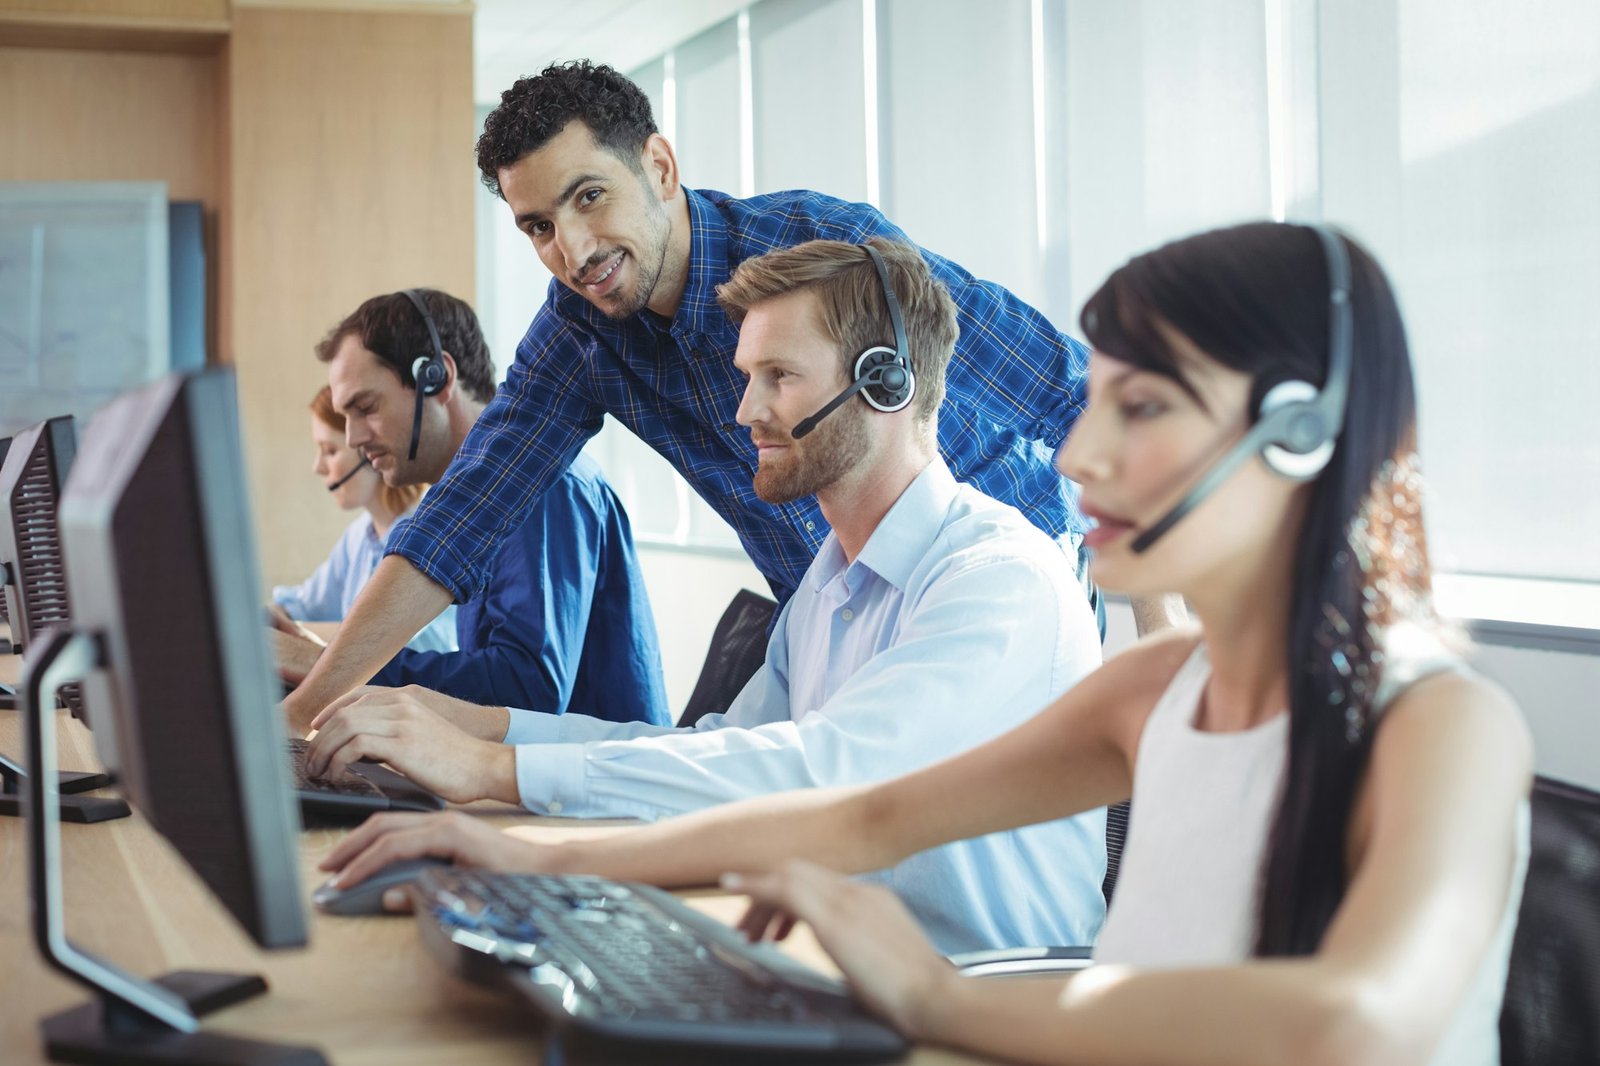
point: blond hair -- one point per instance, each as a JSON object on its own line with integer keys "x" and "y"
{"x": 853, "y": 311}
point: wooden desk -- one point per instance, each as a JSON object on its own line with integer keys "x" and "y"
{"x": 365, "y": 991}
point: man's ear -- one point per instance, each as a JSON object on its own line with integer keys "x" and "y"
{"x": 660, "y": 167}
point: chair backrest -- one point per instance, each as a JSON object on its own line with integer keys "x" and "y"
{"x": 738, "y": 648}
{"x": 1116, "y": 835}
{"x": 1551, "y": 1014}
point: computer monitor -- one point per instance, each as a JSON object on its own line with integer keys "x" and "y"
{"x": 33, "y": 583}
{"x": 6, "y": 647}
{"x": 167, "y": 638}
{"x": 35, "y": 465}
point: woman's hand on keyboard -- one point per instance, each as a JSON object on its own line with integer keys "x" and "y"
{"x": 865, "y": 929}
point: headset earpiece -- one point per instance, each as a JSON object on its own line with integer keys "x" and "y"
{"x": 429, "y": 374}
{"x": 890, "y": 381}
{"x": 1298, "y": 442}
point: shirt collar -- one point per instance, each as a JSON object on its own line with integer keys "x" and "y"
{"x": 904, "y": 535}
{"x": 698, "y": 311}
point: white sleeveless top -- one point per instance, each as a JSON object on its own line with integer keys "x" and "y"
{"x": 1203, "y": 805}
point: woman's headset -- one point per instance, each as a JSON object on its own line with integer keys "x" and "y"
{"x": 1297, "y": 424}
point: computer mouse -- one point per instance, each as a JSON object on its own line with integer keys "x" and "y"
{"x": 367, "y": 897}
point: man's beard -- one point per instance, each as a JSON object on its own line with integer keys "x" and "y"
{"x": 833, "y": 449}
{"x": 647, "y": 266}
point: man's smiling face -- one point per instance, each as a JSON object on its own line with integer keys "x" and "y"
{"x": 595, "y": 221}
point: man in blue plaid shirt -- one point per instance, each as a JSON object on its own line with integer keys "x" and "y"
{"x": 631, "y": 328}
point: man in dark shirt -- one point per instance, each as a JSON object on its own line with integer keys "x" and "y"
{"x": 562, "y": 623}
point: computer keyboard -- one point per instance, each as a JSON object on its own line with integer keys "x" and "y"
{"x": 348, "y": 784}
{"x": 626, "y": 962}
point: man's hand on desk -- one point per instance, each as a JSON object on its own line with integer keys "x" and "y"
{"x": 296, "y": 655}
{"x": 279, "y": 619}
{"x": 397, "y": 726}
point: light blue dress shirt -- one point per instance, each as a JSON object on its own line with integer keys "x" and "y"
{"x": 958, "y": 621}
{"x": 327, "y": 595}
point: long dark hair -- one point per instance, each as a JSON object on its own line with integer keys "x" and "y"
{"x": 1255, "y": 298}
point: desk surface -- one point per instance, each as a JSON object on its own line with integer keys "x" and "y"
{"x": 365, "y": 991}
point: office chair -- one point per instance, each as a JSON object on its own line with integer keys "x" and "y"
{"x": 738, "y": 648}
{"x": 1024, "y": 962}
{"x": 1551, "y": 1014}
{"x": 1116, "y": 836}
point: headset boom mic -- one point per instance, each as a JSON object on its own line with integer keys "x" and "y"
{"x": 354, "y": 470}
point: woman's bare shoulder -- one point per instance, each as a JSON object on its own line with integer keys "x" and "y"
{"x": 1127, "y": 687}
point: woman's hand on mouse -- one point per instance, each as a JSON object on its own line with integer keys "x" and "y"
{"x": 460, "y": 838}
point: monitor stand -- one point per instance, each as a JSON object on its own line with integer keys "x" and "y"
{"x": 79, "y": 809}
{"x": 8, "y": 695}
{"x": 131, "y": 1020}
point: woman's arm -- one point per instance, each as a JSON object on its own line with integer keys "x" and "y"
{"x": 1433, "y": 845}
{"x": 1073, "y": 756}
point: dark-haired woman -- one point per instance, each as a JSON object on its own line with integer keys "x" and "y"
{"x": 1330, "y": 819}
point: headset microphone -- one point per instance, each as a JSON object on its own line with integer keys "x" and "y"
{"x": 354, "y": 470}
{"x": 1297, "y": 423}
{"x": 806, "y": 425}
{"x": 882, "y": 375}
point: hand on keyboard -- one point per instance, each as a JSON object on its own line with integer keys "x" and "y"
{"x": 398, "y": 728}
{"x": 865, "y": 928}
{"x": 344, "y": 783}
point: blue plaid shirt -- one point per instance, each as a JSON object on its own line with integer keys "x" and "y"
{"x": 1012, "y": 392}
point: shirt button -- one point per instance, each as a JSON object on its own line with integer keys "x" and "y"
{"x": 554, "y": 807}
{"x": 811, "y": 527}
{"x": 847, "y": 614}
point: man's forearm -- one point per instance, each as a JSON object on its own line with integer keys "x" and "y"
{"x": 1154, "y": 613}
{"x": 395, "y": 603}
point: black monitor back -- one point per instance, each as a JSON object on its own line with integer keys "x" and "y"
{"x": 156, "y": 528}
{"x": 36, "y": 593}
{"x": 36, "y": 464}
{"x": 5, "y": 619}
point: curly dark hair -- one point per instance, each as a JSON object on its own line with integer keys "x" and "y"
{"x": 535, "y": 109}
{"x": 391, "y": 329}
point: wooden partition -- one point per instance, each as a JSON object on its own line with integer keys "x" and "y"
{"x": 350, "y": 174}
{"x": 331, "y": 144}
